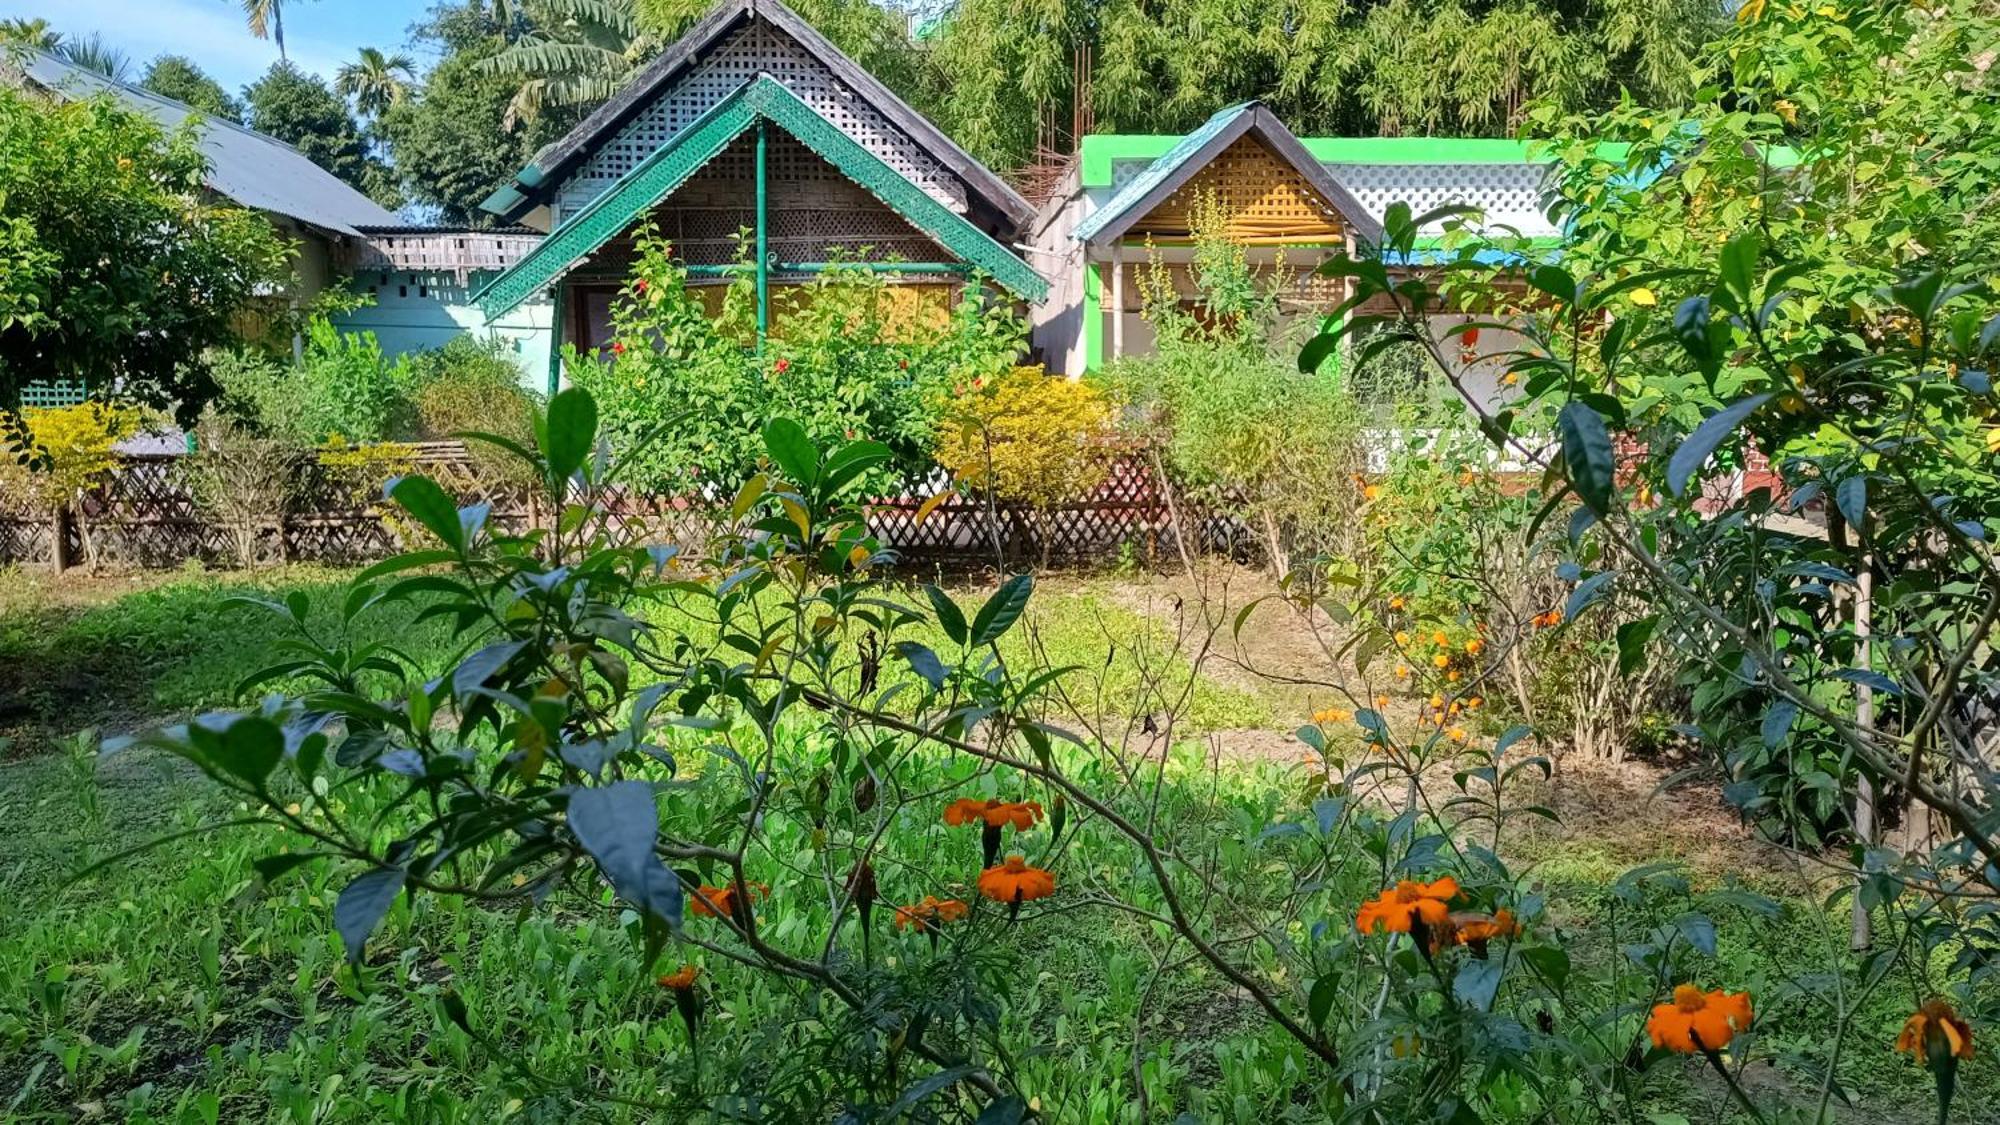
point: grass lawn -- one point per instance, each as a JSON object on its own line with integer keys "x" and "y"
{"x": 174, "y": 987}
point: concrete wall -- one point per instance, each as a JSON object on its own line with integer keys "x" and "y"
{"x": 419, "y": 311}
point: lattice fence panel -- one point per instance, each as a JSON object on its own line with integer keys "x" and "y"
{"x": 146, "y": 515}
{"x": 759, "y": 49}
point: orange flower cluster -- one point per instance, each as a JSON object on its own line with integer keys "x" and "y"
{"x": 1473, "y": 929}
{"x": 1699, "y": 1021}
{"x": 1439, "y": 712}
{"x": 1014, "y": 882}
{"x": 1333, "y": 715}
{"x": 1935, "y": 1034}
{"x": 679, "y": 981}
{"x": 1547, "y": 620}
{"x": 1399, "y": 907}
{"x": 1023, "y": 815}
{"x": 926, "y": 915}
{"x": 723, "y": 902}
{"x": 992, "y": 816}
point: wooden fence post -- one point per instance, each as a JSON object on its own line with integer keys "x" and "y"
{"x": 59, "y": 540}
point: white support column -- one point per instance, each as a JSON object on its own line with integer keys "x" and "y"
{"x": 1117, "y": 299}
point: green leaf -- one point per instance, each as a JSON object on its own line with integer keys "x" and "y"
{"x": 950, "y": 618}
{"x": 618, "y": 824}
{"x": 1316, "y": 352}
{"x": 478, "y": 668}
{"x": 1698, "y": 931}
{"x": 1551, "y": 962}
{"x": 250, "y": 748}
{"x": 1696, "y": 448}
{"x": 1319, "y": 1002}
{"x": 424, "y": 500}
{"x": 1477, "y": 982}
{"x": 850, "y": 461}
{"x": 1739, "y": 265}
{"x": 1633, "y": 637}
{"x": 362, "y": 905}
{"x": 408, "y": 560}
{"x": 572, "y": 431}
{"x": 1002, "y": 609}
{"x": 924, "y": 1088}
{"x": 1586, "y": 447}
{"x": 1009, "y": 1110}
{"x": 792, "y": 450}
{"x": 271, "y": 867}
{"x": 923, "y": 662}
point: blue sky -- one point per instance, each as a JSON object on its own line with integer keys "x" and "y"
{"x": 319, "y": 34}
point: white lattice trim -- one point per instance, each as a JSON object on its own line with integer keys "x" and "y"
{"x": 757, "y": 49}
{"x": 1509, "y": 194}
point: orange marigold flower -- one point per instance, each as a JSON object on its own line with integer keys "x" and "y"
{"x": 1439, "y": 639}
{"x": 1452, "y": 676}
{"x": 721, "y": 902}
{"x": 1402, "y": 638}
{"x": 1395, "y": 909}
{"x": 1475, "y": 929}
{"x": 1381, "y": 701}
{"x": 680, "y": 981}
{"x": 1371, "y": 492}
{"x": 1402, "y": 671}
{"x": 1441, "y": 660}
{"x": 1936, "y": 1033}
{"x": 1699, "y": 1021}
{"x": 1474, "y": 703}
{"x": 1473, "y": 646}
{"x": 1457, "y": 734}
{"x": 1332, "y": 715}
{"x": 994, "y": 813}
{"x": 923, "y": 915}
{"x": 1015, "y": 882}
{"x": 1397, "y": 602}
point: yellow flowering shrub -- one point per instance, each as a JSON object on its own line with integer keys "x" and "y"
{"x": 77, "y": 446}
{"x": 1031, "y": 437}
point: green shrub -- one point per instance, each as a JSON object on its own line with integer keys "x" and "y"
{"x": 1223, "y": 399}
{"x": 343, "y": 386}
{"x": 850, "y": 357}
{"x": 474, "y": 386}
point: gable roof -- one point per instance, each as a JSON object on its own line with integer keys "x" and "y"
{"x": 560, "y": 157}
{"x": 1179, "y": 164}
{"x": 254, "y": 169}
{"x": 656, "y": 177}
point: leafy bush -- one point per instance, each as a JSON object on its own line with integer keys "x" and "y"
{"x": 1027, "y": 438}
{"x": 851, "y": 356}
{"x": 1810, "y": 282}
{"x": 472, "y": 386}
{"x": 343, "y": 385}
{"x": 1223, "y": 397}
{"x": 73, "y": 449}
{"x": 117, "y": 264}
{"x": 246, "y": 484}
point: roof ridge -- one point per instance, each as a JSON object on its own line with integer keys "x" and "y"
{"x": 147, "y": 92}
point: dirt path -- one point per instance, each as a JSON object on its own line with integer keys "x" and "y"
{"x": 1615, "y": 810}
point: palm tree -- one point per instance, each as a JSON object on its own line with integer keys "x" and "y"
{"x": 577, "y": 54}
{"x": 267, "y": 21}
{"x": 94, "y": 54}
{"x": 375, "y": 81}
{"x": 30, "y": 33}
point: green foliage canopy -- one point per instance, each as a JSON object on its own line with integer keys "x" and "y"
{"x": 177, "y": 77}
{"x": 116, "y": 263}
{"x": 302, "y": 111}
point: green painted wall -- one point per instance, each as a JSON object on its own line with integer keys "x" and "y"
{"x": 417, "y": 311}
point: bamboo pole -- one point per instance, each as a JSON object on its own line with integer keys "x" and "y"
{"x": 1863, "y": 934}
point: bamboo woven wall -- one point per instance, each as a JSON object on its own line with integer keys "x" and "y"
{"x": 1263, "y": 198}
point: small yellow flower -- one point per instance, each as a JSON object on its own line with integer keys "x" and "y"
{"x": 1788, "y": 111}
{"x": 1644, "y": 298}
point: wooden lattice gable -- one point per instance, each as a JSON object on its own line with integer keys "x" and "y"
{"x": 737, "y": 41}
{"x": 614, "y": 211}
{"x": 816, "y": 214}
{"x": 753, "y": 49}
{"x": 1251, "y": 162}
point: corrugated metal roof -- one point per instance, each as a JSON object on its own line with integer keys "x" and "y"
{"x": 255, "y": 170}
{"x": 1166, "y": 164}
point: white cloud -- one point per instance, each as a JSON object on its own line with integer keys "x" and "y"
{"x": 211, "y": 32}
